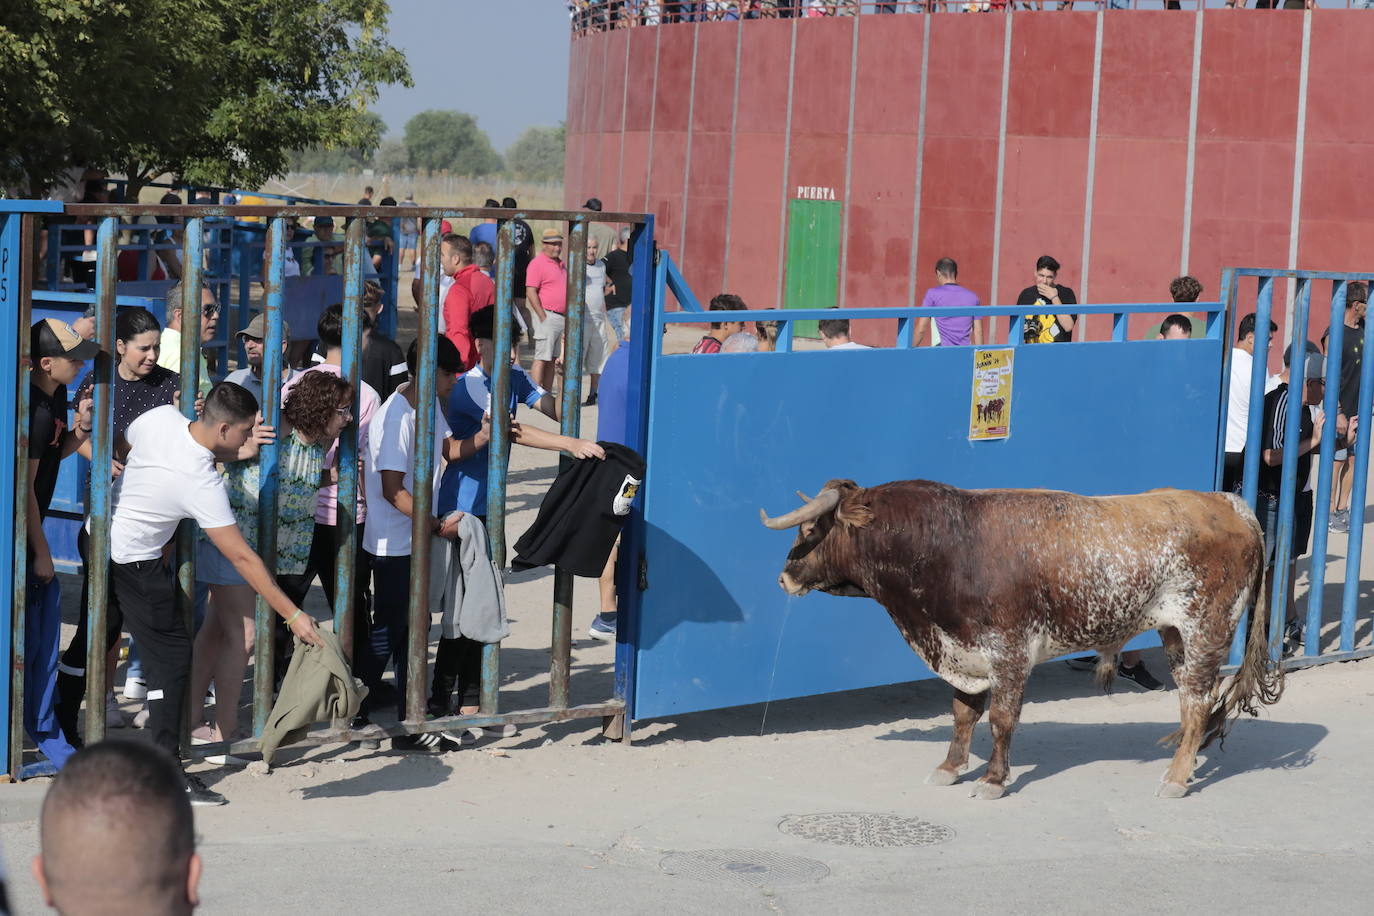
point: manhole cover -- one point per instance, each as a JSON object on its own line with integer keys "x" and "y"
{"x": 744, "y": 867}
{"x": 851, "y": 829}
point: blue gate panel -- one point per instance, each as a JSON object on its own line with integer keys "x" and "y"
{"x": 733, "y": 433}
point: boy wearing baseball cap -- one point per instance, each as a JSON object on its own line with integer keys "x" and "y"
{"x": 57, "y": 355}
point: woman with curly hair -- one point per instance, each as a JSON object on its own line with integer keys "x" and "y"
{"x": 316, "y": 410}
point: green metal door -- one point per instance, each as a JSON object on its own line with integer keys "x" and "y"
{"x": 813, "y": 258}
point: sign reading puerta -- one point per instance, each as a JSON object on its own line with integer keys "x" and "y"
{"x": 990, "y": 416}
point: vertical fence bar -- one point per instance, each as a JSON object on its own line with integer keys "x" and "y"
{"x": 346, "y": 452}
{"x": 1264, "y": 306}
{"x": 422, "y": 513}
{"x": 1288, "y": 491}
{"x": 499, "y": 446}
{"x": 192, "y": 263}
{"x": 102, "y": 456}
{"x": 1228, "y": 322}
{"x": 571, "y": 421}
{"x": 264, "y": 625}
{"x": 1358, "y": 487}
{"x": 16, "y": 262}
{"x": 1316, "y": 577}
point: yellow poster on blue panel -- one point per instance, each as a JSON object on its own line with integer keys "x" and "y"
{"x": 990, "y": 416}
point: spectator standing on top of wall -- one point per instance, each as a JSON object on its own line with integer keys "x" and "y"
{"x": 594, "y": 318}
{"x": 721, "y": 330}
{"x": 1052, "y": 327}
{"x": 954, "y": 330}
{"x": 170, "y": 356}
{"x": 620, "y": 284}
{"x": 546, "y": 292}
{"x": 366, "y": 199}
{"x": 1238, "y": 400}
{"x": 471, "y": 290}
{"x": 1352, "y": 358}
{"x": 835, "y": 335}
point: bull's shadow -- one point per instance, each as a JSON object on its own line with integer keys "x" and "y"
{"x": 1051, "y": 748}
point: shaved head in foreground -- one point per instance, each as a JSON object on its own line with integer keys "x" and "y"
{"x": 117, "y": 834}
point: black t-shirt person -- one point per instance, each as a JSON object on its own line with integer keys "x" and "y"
{"x": 1043, "y": 328}
{"x": 47, "y": 423}
{"x": 618, "y": 270}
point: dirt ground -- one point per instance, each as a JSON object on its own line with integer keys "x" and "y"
{"x": 693, "y": 817}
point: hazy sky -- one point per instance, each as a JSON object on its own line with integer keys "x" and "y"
{"x": 504, "y": 61}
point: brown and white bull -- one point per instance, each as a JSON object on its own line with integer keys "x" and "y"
{"x": 986, "y": 583}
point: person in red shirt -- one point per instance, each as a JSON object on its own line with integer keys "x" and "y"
{"x": 471, "y": 290}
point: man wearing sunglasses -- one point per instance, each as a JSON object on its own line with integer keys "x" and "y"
{"x": 170, "y": 357}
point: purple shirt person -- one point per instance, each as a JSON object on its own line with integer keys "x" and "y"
{"x": 955, "y": 330}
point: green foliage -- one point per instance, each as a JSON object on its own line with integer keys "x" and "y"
{"x": 211, "y": 91}
{"x": 391, "y": 157}
{"x": 334, "y": 158}
{"x": 450, "y": 141}
{"x": 538, "y": 154}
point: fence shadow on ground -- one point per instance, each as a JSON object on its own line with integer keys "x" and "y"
{"x": 405, "y": 771}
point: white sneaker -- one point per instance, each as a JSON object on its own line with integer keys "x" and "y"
{"x": 114, "y": 716}
{"x": 135, "y": 688}
{"x": 477, "y": 733}
{"x": 141, "y": 718}
{"x": 219, "y": 760}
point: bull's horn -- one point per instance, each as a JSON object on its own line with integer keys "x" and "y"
{"x": 804, "y": 497}
{"x": 825, "y": 501}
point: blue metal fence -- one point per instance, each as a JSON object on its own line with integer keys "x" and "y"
{"x": 18, "y": 249}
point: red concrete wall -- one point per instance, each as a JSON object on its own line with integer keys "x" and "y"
{"x": 716, "y": 150}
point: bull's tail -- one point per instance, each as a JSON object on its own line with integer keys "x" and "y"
{"x": 1258, "y": 682}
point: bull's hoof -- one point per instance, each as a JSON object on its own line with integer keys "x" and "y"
{"x": 942, "y": 777}
{"x": 1171, "y": 790}
{"x": 987, "y": 790}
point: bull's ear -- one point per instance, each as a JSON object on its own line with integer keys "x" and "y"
{"x": 854, "y": 514}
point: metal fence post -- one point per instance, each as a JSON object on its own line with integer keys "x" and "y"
{"x": 422, "y": 496}
{"x": 102, "y": 453}
{"x": 575, "y": 254}
{"x": 265, "y": 631}
{"x": 1288, "y": 491}
{"x": 1316, "y": 577}
{"x": 499, "y": 446}
{"x": 193, "y": 240}
{"x": 1359, "y": 485}
{"x": 346, "y": 452}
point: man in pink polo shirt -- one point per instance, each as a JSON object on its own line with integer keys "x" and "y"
{"x": 546, "y": 294}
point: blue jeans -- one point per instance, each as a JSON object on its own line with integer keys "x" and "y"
{"x": 616, "y": 316}
{"x": 42, "y": 632}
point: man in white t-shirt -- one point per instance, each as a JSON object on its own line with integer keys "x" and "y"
{"x": 1238, "y": 400}
{"x": 170, "y": 475}
{"x": 388, "y": 475}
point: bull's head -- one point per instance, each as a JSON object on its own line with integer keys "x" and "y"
{"x": 820, "y": 557}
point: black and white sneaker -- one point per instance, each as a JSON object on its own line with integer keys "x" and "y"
{"x": 200, "y": 796}
{"x": 1292, "y": 639}
{"x": 427, "y": 743}
{"x": 1140, "y": 676}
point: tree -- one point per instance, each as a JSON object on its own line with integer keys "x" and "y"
{"x": 211, "y": 91}
{"x": 452, "y": 141}
{"x": 334, "y": 158}
{"x": 391, "y": 157}
{"x": 538, "y": 154}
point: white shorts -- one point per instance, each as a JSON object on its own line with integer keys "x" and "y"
{"x": 548, "y": 336}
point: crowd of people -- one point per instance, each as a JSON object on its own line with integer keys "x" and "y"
{"x": 167, "y": 468}
{"x": 601, "y": 15}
